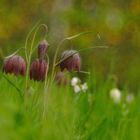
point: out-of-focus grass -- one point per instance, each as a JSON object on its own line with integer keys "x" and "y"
{"x": 69, "y": 116}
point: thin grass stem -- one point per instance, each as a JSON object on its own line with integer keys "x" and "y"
{"x": 31, "y": 50}
{"x": 58, "y": 47}
{"x": 13, "y": 85}
{"x": 59, "y": 62}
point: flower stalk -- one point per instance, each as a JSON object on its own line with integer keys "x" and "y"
{"x": 28, "y": 56}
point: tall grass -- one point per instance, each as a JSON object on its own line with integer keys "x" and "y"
{"x": 69, "y": 116}
{"x": 32, "y": 110}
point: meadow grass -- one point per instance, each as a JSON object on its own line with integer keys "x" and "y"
{"x": 68, "y": 116}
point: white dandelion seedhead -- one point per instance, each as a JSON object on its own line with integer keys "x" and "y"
{"x": 115, "y": 95}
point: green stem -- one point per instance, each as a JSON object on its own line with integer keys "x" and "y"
{"x": 45, "y": 93}
{"x": 58, "y": 47}
{"x": 10, "y": 82}
{"x": 46, "y": 79}
{"x": 59, "y": 62}
{"x": 55, "y": 57}
{"x": 83, "y": 72}
{"x": 31, "y": 50}
{"x": 27, "y": 38}
{"x": 14, "y": 53}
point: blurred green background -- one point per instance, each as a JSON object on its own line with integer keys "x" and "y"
{"x": 117, "y": 22}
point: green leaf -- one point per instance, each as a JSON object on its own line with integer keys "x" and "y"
{"x": 78, "y": 35}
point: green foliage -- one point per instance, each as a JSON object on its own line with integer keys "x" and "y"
{"x": 59, "y": 113}
{"x": 84, "y": 116}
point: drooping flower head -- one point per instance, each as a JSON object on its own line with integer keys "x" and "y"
{"x": 61, "y": 78}
{"x": 42, "y": 49}
{"x": 38, "y": 70}
{"x": 14, "y": 64}
{"x": 72, "y": 63}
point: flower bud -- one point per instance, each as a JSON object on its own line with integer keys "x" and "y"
{"x": 115, "y": 94}
{"x": 73, "y": 63}
{"x": 61, "y": 78}
{"x": 42, "y": 49}
{"x": 38, "y": 70}
{"x": 15, "y": 64}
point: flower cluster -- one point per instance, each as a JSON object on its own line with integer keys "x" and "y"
{"x": 39, "y": 67}
{"x": 70, "y": 61}
{"x": 78, "y": 86}
{"x": 116, "y": 96}
{"x": 16, "y": 64}
{"x": 124, "y": 102}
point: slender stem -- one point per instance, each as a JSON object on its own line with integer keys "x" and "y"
{"x": 84, "y": 72}
{"x": 59, "y": 62}
{"x": 31, "y": 50}
{"x": 46, "y": 30}
{"x": 14, "y": 53}
{"x": 46, "y": 72}
{"x": 58, "y": 47}
{"x": 45, "y": 87}
{"x": 27, "y": 54}
{"x": 27, "y": 38}
{"x": 10, "y": 82}
{"x": 55, "y": 57}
